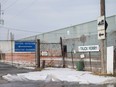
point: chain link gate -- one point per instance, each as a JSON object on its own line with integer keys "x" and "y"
{"x": 51, "y": 54}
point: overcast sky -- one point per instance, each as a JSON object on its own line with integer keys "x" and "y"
{"x": 30, "y": 17}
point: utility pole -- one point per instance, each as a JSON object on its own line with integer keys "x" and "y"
{"x": 103, "y": 44}
{"x": 1, "y": 13}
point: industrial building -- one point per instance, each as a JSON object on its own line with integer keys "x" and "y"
{"x": 72, "y": 34}
{"x": 85, "y": 34}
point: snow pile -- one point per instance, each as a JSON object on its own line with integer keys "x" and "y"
{"x": 10, "y": 77}
{"x": 61, "y": 74}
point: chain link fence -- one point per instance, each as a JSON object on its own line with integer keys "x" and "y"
{"x": 92, "y": 60}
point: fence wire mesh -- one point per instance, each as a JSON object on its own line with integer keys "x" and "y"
{"x": 91, "y": 59}
{"x": 50, "y": 49}
{"x": 51, "y": 53}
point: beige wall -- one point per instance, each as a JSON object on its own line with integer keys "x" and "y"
{"x": 5, "y": 46}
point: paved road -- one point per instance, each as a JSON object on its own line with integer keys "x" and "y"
{"x": 8, "y": 69}
{"x": 5, "y": 69}
{"x": 50, "y": 84}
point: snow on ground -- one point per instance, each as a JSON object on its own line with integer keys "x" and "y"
{"x": 61, "y": 74}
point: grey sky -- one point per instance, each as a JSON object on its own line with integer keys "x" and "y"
{"x": 29, "y": 17}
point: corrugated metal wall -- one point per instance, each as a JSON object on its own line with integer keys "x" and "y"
{"x": 89, "y": 29}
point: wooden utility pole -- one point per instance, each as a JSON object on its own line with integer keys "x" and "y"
{"x": 103, "y": 41}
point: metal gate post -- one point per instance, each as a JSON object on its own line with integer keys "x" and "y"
{"x": 38, "y": 53}
{"x": 63, "y": 53}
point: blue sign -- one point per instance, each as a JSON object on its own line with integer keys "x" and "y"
{"x": 25, "y": 46}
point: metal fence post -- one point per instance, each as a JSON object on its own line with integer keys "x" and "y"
{"x": 63, "y": 53}
{"x": 38, "y": 53}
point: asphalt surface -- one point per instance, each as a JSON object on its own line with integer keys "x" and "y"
{"x": 49, "y": 84}
{"x": 8, "y": 69}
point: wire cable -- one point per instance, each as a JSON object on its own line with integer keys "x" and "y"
{"x": 27, "y": 7}
{"x": 10, "y": 5}
{"x": 4, "y": 2}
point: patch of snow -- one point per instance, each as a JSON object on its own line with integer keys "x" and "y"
{"x": 61, "y": 74}
{"x": 10, "y": 77}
